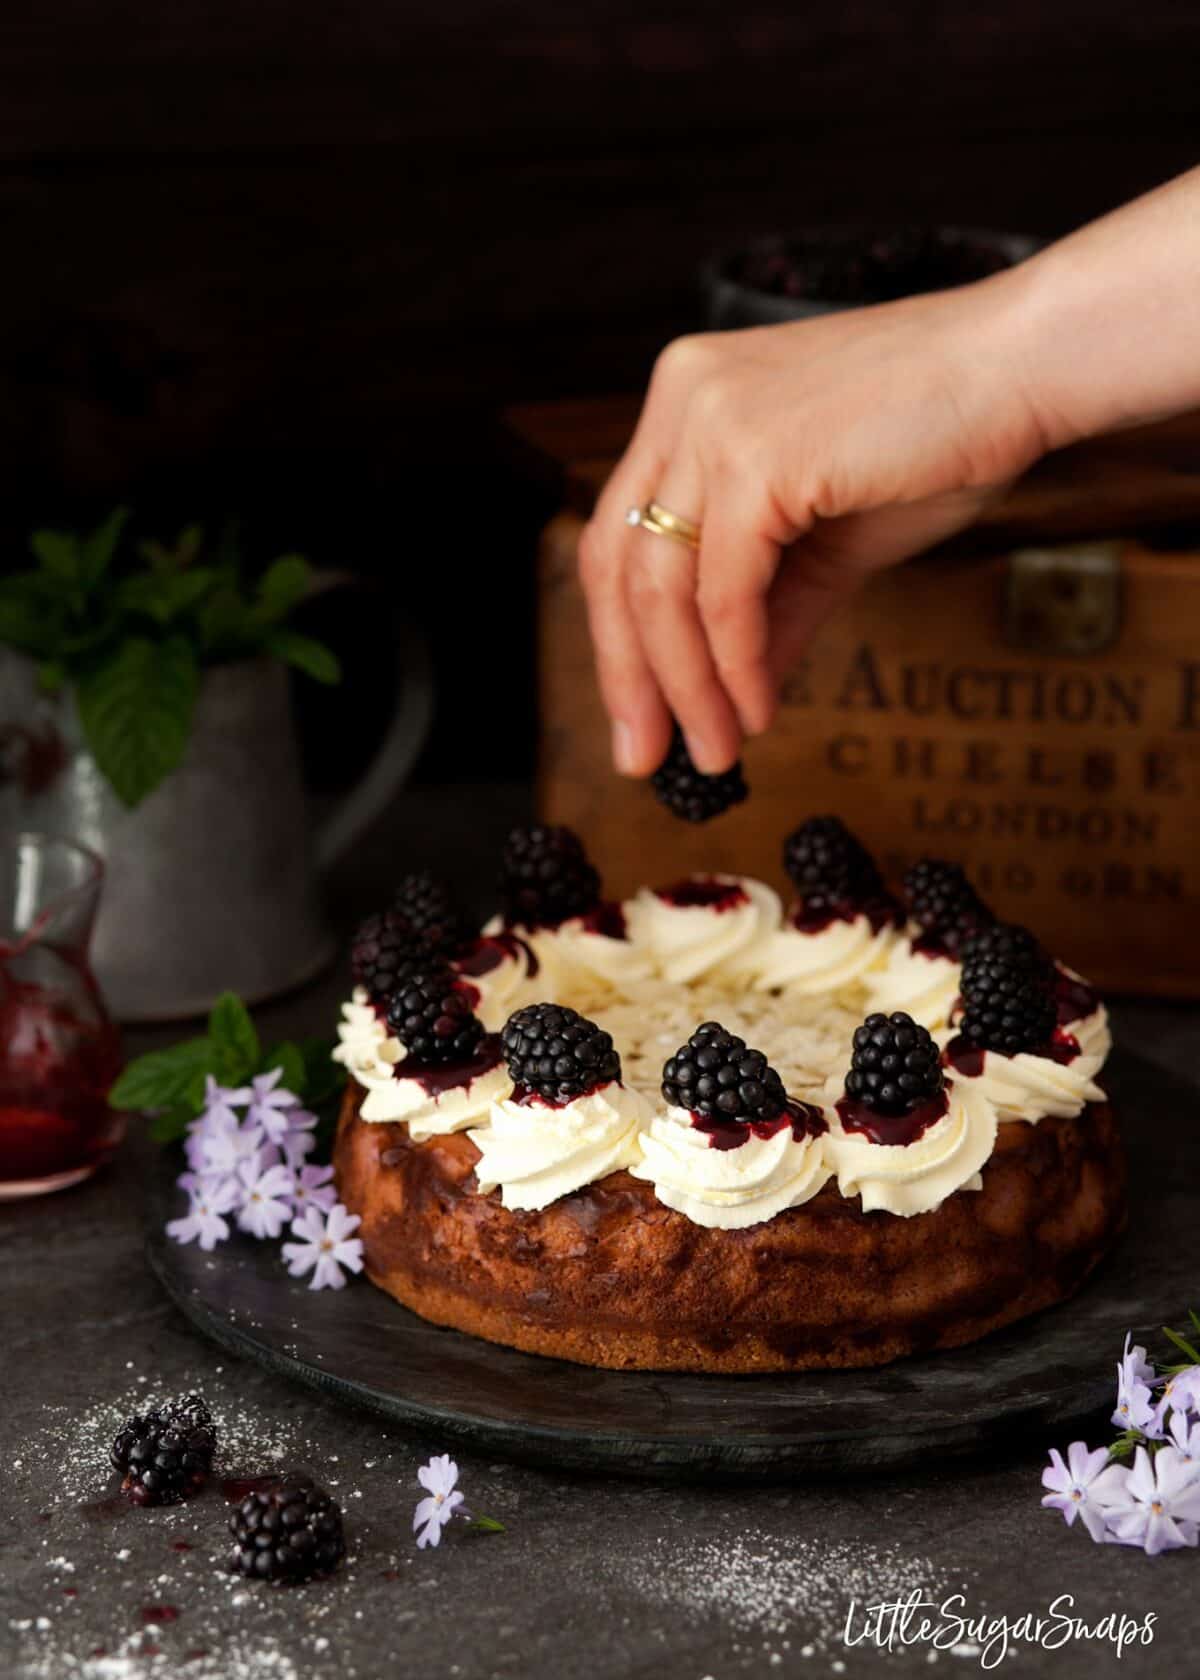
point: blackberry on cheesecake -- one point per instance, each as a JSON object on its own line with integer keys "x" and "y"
{"x": 944, "y": 904}
{"x": 428, "y": 906}
{"x": 430, "y": 1011}
{"x": 555, "y": 1055}
{"x": 895, "y": 1066}
{"x": 688, "y": 792}
{"x": 384, "y": 944}
{"x": 546, "y": 877}
{"x": 1007, "y": 1005}
{"x": 833, "y": 873}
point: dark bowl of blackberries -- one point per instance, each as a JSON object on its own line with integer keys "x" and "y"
{"x": 820, "y": 270}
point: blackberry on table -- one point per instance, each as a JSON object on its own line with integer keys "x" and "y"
{"x": 289, "y": 1531}
{"x": 428, "y": 906}
{"x": 895, "y": 1065}
{"x": 1007, "y": 1006}
{"x": 382, "y": 945}
{"x": 715, "y": 1076}
{"x": 557, "y": 1053}
{"x": 165, "y": 1454}
{"x": 546, "y": 877}
{"x": 944, "y": 903}
{"x": 429, "y": 1011}
{"x": 688, "y": 792}
{"x": 827, "y": 864}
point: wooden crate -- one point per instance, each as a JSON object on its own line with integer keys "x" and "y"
{"x": 1026, "y": 701}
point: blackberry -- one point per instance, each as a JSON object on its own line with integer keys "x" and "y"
{"x": 382, "y": 945}
{"x": 1007, "y": 1006}
{"x": 715, "y": 1077}
{"x": 895, "y": 1065}
{"x": 288, "y": 1531}
{"x": 826, "y": 864}
{"x": 165, "y": 1454}
{"x": 557, "y": 1054}
{"x": 429, "y": 908}
{"x": 695, "y": 797}
{"x": 545, "y": 877}
{"x": 429, "y": 1011}
{"x": 944, "y": 903}
{"x": 1008, "y": 943}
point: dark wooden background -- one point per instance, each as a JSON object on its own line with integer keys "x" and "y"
{"x": 292, "y": 260}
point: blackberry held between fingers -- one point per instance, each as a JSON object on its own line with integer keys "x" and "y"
{"x": 895, "y": 1065}
{"x": 165, "y": 1454}
{"x": 716, "y": 1077}
{"x": 429, "y": 908}
{"x": 825, "y": 862}
{"x": 688, "y": 792}
{"x": 944, "y": 903}
{"x": 382, "y": 945}
{"x": 430, "y": 1012}
{"x": 289, "y": 1531}
{"x": 545, "y": 877}
{"x": 556, "y": 1054}
{"x": 1006, "y": 1007}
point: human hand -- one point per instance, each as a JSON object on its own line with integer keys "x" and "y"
{"x": 811, "y": 454}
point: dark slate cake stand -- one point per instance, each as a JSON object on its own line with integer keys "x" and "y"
{"x": 360, "y": 1346}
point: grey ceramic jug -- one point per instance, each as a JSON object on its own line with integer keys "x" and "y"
{"x": 212, "y": 880}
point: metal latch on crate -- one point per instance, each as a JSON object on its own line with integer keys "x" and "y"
{"x": 1063, "y": 600}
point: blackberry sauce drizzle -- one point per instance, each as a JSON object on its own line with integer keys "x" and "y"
{"x": 703, "y": 892}
{"x": 892, "y": 1130}
{"x": 804, "y": 1120}
{"x": 435, "y": 1081}
{"x": 967, "y": 1060}
{"x": 880, "y": 912}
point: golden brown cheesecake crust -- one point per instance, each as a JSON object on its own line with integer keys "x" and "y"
{"x": 609, "y": 1276}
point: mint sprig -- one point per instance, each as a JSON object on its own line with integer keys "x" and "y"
{"x": 132, "y": 628}
{"x": 170, "y": 1084}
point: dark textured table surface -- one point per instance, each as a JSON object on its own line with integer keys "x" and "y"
{"x": 592, "y": 1578}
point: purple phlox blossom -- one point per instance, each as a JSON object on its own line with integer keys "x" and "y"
{"x": 326, "y": 1245}
{"x": 1135, "y": 1407}
{"x": 1184, "y": 1433}
{"x": 224, "y": 1149}
{"x": 313, "y": 1187}
{"x": 269, "y": 1104}
{"x": 1181, "y": 1393}
{"x": 438, "y": 1478}
{"x": 1156, "y": 1503}
{"x": 208, "y": 1200}
{"x": 299, "y": 1139}
{"x": 221, "y": 1102}
{"x": 266, "y": 1196}
{"x": 1078, "y": 1486}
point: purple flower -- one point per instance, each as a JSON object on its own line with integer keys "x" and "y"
{"x": 313, "y": 1187}
{"x": 1185, "y": 1438}
{"x": 1079, "y": 1486}
{"x": 224, "y": 1149}
{"x": 1156, "y": 1504}
{"x": 298, "y": 1141}
{"x": 1181, "y": 1393}
{"x": 207, "y": 1201}
{"x": 326, "y": 1246}
{"x": 1135, "y": 1403}
{"x": 221, "y": 1100}
{"x": 269, "y": 1105}
{"x": 438, "y": 1478}
{"x": 266, "y": 1192}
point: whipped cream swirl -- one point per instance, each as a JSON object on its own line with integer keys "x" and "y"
{"x": 585, "y": 948}
{"x": 917, "y": 1177}
{"x": 823, "y": 960}
{"x": 1028, "y": 1087}
{"x": 924, "y": 984}
{"x": 365, "y": 1047}
{"x": 729, "y": 1189}
{"x": 505, "y": 972}
{"x": 709, "y": 925}
{"x": 536, "y": 1153}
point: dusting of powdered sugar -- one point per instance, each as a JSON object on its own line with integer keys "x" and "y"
{"x": 779, "y": 1599}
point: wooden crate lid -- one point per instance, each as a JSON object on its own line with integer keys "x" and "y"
{"x": 1145, "y": 481}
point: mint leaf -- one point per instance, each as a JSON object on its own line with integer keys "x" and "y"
{"x": 27, "y": 619}
{"x": 163, "y": 1078}
{"x": 323, "y": 1077}
{"x": 58, "y": 554}
{"x": 306, "y": 654}
{"x": 283, "y": 586}
{"x": 1185, "y": 1347}
{"x": 235, "y": 1039}
{"x": 165, "y": 596}
{"x": 136, "y": 711}
{"x": 288, "y": 1057}
{"x": 172, "y": 1123}
{"x": 97, "y": 550}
